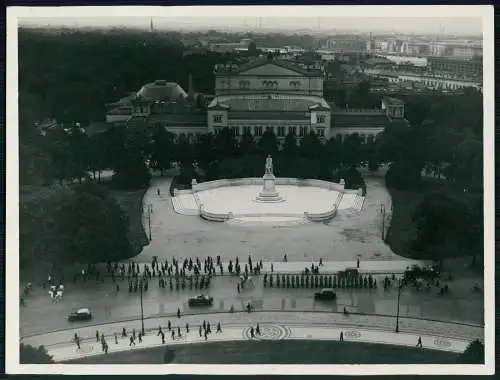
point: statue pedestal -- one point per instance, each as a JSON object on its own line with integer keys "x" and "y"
{"x": 269, "y": 193}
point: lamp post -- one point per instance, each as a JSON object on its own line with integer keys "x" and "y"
{"x": 382, "y": 212}
{"x": 150, "y": 209}
{"x": 142, "y": 309}
{"x": 400, "y": 286}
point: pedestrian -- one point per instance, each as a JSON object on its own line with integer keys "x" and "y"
{"x": 77, "y": 341}
{"x": 200, "y": 331}
{"x": 257, "y": 329}
{"x": 219, "y": 328}
{"x": 173, "y": 335}
{"x": 132, "y": 341}
{"x": 133, "y": 333}
{"x": 169, "y": 326}
{"x": 178, "y": 312}
{"x": 178, "y": 331}
{"x": 238, "y": 287}
{"x": 162, "y": 337}
{"x": 97, "y": 336}
{"x": 117, "y": 288}
{"x": 357, "y": 262}
{"x": 187, "y": 327}
{"x": 158, "y": 191}
{"x": 252, "y": 333}
{"x": 204, "y": 325}
{"x": 140, "y": 337}
{"x": 208, "y": 328}
{"x": 76, "y": 336}
{"x": 272, "y": 268}
{"x": 159, "y": 331}
{"x": 285, "y": 258}
{"x": 102, "y": 338}
{"x": 419, "y": 342}
{"x": 116, "y": 339}
{"x": 124, "y": 332}
{"x": 206, "y": 335}
{"x": 341, "y": 336}
{"x": 106, "y": 347}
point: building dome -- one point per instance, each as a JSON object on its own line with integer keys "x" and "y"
{"x": 162, "y": 90}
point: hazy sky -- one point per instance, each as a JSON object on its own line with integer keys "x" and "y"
{"x": 447, "y": 20}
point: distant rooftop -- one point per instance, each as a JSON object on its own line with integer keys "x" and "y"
{"x": 161, "y": 90}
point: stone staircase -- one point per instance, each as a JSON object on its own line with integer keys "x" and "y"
{"x": 358, "y": 204}
{"x": 180, "y": 209}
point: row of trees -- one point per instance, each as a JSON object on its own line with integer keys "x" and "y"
{"x": 62, "y": 225}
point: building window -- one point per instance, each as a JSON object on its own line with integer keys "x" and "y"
{"x": 302, "y": 131}
{"x": 321, "y": 132}
{"x": 247, "y": 130}
{"x": 236, "y": 131}
{"x": 244, "y": 85}
{"x": 217, "y": 118}
{"x": 281, "y": 131}
{"x": 258, "y": 131}
{"x": 293, "y": 131}
{"x": 321, "y": 119}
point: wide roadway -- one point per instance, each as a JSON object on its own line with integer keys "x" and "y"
{"x": 42, "y": 315}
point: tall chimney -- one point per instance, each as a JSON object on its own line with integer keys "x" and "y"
{"x": 190, "y": 88}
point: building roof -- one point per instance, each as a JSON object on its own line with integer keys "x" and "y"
{"x": 278, "y": 103}
{"x": 161, "y": 90}
{"x": 359, "y": 119}
{"x": 286, "y": 64}
{"x": 392, "y": 101}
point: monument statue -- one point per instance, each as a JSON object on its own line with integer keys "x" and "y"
{"x": 269, "y": 193}
{"x": 269, "y": 164}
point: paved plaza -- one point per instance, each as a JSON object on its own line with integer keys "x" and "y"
{"x": 347, "y": 236}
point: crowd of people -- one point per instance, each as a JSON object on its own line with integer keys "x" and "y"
{"x": 136, "y": 337}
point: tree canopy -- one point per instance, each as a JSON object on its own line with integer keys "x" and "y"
{"x": 72, "y": 224}
{"x": 31, "y": 355}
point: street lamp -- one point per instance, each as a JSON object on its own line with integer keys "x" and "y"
{"x": 400, "y": 286}
{"x": 382, "y": 212}
{"x": 150, "y": 210}
{"x": 142, "y": 309}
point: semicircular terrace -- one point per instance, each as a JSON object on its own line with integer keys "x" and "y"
{"x": 305, "y": 200}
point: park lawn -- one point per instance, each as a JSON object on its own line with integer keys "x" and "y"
{"x": 277, "y": 352}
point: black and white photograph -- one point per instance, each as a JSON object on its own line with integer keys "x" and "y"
{"x": 263, "y": 187}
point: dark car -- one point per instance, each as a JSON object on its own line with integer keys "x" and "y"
{"x": 83, "y": 314}
{"x": 201, "y": 300}
{"x": 325, "y": 295}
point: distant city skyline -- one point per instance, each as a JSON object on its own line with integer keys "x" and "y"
{"x": 444, "y": 20}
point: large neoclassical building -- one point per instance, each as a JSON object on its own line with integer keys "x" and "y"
{"x": 265, "y": 94}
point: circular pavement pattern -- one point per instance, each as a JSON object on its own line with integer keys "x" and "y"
{"x": 353, "y": 334}
{"x": 442, "y": 342}
{"x": 269, "y": 332}
{"x": 85, "y": 349}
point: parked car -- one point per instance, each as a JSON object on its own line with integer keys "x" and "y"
{"x": 326, "y": 294}
{"x": 82, "y": 314}
{"x": 201, "y": 300}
